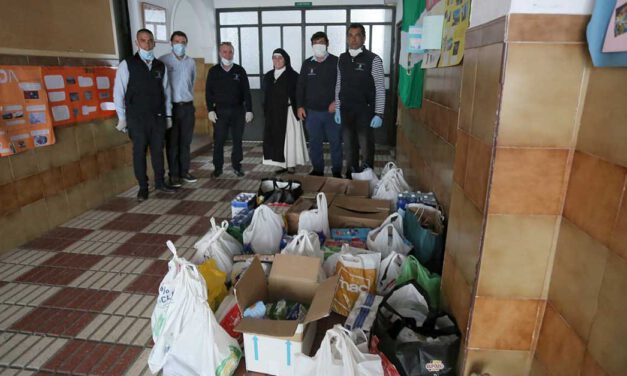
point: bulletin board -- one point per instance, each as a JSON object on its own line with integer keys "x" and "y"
{"x": 456, "y": 22}
{"x": 59, "y": 28}
{"x": 24, "y": 115}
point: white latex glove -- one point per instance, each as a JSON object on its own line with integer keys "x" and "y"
{"x": 249, "y": 117}
{"x": 213, "y": 117}
{"x": 121, "y": 126}
{"x": 168, "y": 123}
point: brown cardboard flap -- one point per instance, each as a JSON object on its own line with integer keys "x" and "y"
{"x": 358, "y": 210}
{"x": 275, "y": 328}
{"x": 322, "y": 301}
{"x": 335, "y": 185}
{"x": 311, "y": 183}
{"x": 358, "y": 188}
{"x": 361, "y": 204}
{"x": 294, "y": 278}
{"x": 252, "y": 286}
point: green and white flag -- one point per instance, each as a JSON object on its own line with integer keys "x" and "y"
{"x": 411, "y": 75}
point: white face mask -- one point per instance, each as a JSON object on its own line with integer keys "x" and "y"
{"x": 319, "y": 50}
{"x": 226, "y": 62}
{"x": 354, "y": 53}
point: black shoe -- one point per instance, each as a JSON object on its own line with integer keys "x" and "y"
{"x": 189, "y": 178}
{"x": 316, "y": 173}
{"x": 165, "y": 188}
{"x": 349, "y": 175}
{"x": 337, "y": 175}
{"x": 239, "y": 173}
{"x": 216, "y": 173}
{"x": 176, "y": 182}
{"x": 142, "y": 195}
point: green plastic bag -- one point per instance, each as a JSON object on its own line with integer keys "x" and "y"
{"x": 430, "y": 282}
{"x": 236, "y": 232}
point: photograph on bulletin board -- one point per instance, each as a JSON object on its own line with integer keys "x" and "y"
{"x": 105, "y": 77}
{"x": 25, "y": 121}
{"x": 456, "y": 22}
{"x": 72, "y": 94}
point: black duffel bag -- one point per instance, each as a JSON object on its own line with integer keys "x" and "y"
{"x": 433, "y": 346}
{"x": 275, "y": 190}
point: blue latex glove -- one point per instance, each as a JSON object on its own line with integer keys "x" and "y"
{"x": 376, "y": 122}
{"x": 338, "y": 117}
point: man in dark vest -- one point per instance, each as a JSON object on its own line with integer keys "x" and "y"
{"x": 142, "y": 102}
{"x": 360, "y": 93}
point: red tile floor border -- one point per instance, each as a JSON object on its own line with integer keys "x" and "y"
{"x": 61, "y": 322}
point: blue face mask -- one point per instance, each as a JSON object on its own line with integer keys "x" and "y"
{"x": 179, "y": 49}
{"x": 146, "y": 55}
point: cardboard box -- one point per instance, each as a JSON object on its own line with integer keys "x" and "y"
{"x": 270, "y": 345}
{"x": 305, "y": 202}
{"x": 311, "y": 184}
{"x": 347, "y": 212}
{"x": 358, "y": 188}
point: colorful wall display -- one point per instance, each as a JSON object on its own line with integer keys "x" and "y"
{"x": 34, "y": 99}
{"x": 25, "y": 120}
{"x": 607, "y": 39}
{"x": 456, "y": 22}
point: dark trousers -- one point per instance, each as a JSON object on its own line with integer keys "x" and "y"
{"x": 179, "y": 139}
{"x": 234, "y": 118}
{"x": 358, "y": 137}
{"x": 149, "y": 132}
{"x": 319, "y": 124}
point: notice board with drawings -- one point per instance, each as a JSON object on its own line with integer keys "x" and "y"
{"x": 34, "y": 99}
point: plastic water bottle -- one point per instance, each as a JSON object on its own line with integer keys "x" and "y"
{"x": 401, "y": 202}
{"x": 413, "y": 199}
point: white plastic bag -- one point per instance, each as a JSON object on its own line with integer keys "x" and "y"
{"x": 265, "y": 231}
{"x": 316, "y": 220}
{"x": 391, "y": 184}
{"x": 388, "y": 272}
{"x": 338, "y": 356}
{"x": 188, "y": 339}
{"x": 305, "y": 243}
{"x": 388, "y": 237}
{"x": 368, "y": 175}
{"x": 219, "y": 245}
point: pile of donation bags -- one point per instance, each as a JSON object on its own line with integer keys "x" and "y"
{"x": 292, "y": 253}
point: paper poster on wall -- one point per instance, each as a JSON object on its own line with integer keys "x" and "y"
{"x": 616, "y": 36}
{"x": 606, "y": 33}
{"x": 432, "y": 32}
{"x": 414, "y": 36}
{"x": 105, "y": 78}
{"x": 25, "y": 120}
{"x": 456, "y": 22}
{"x": 431, "y": 60}
{"x": 72, "y": 93}
{"x": 431, "y": 3}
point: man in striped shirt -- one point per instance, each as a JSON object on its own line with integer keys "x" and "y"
{"x": 360, "y": 94}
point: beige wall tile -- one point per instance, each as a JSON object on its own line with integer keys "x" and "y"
{"x": 618, "y": 238}
{"x": 8, "y": 199}
{"x": 516, "y": 252}
{"x": 560, "y": 350}
{"x": 52, "y": 180}
{"x": 541, "y": 94}
{"x": 461, "y": 157}
{"x": 23, "y": 164}
{"x": 76, "y": 200}
{"x": 478, "y": 166}
{"x": 6, "y": 175}
{"x": 85, "y": 138}
{"x": 503, "y": 324}
{"x": 528, "y": 181}
{"x": 106, "y": 136}
{"x": 58, "y": 210}
{"x": 470, "y": 233}
{"x": 487, "y": 92}
{"x": 578, "y": 271}
{"x": 591, "y": 367}
{"x": 11, "y": 232}
{"x": 603, "y": 130}
{"x": 89, "y": 167}
{"x": 537, "y": 368}
{"x": 71, "y": 174}
{"x": 456, "y": 294}
{"x": 594, "y": 193}
{"x": 29, "y": 189}
{"x": 498, "y": 362}
{"x": 65, "y": 150}
{"x": 34, "y": 219}
{"x": 93, "y": 193}
{"x": 547, "y": 28}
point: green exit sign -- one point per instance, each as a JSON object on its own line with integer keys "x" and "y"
{"x": 303, "y": 4}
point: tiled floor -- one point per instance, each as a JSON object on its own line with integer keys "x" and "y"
{"x": 78, "y": 300}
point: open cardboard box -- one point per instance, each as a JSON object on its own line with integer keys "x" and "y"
{"x": 270, "y": 345}
{"x": 359, "y": 188}
{"x": 348, "y": 212}
{"x": 305, "y": 202}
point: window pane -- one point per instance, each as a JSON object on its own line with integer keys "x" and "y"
{"x": 337, "y": 39}
{"x": 271, "y": 40}
{"x": 255, "y": 82}
{"x": 154, "y": 15}
{"x": 229, "y": 34}
{"x": 292, "y": 43}
{"x": 250, "y": 49}
{"x": 326, "y": 16}
{"x": 162, "y": 33}
{"x": 381, "y": 38}
{"x": 371, "y": 15}
{"x": 281, "y": 17}
{"x": 387, "y": 83}
{"x": 150, "y": 27}
{"x": 238, "y": 18}
{"x": 309, "y": 31}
